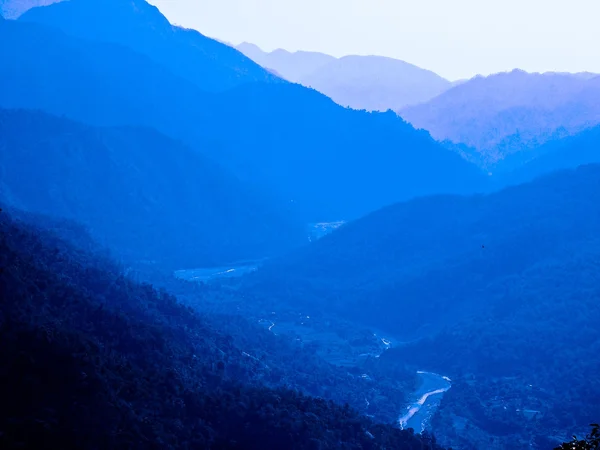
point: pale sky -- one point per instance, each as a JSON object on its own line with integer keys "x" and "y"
{"x": 455, "y": 38}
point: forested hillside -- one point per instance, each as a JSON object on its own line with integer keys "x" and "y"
{"x": 406, "y": 244}
{"x": 93, "y": 360}
{"x": 502, "y": 285}
{"x": 149, "y": 198}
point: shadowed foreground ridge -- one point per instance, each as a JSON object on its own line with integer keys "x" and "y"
{"x": 93, "y": 360}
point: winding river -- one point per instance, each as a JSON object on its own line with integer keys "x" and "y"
{"x": 427, "y": 398}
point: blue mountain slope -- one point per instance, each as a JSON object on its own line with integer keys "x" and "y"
{"x": 213, "y": 66}
{"x": 103, "y": 84}
{"x": 325, "y": 161}
{"x": 142, "y": 194}
{"x": 339, "y": 162}
{"x": 435, "y": 259}
{"x": 566, "y": 153}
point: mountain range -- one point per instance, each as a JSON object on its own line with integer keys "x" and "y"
{"x": 510, "y": 112}
{"x": 130, "y": 148}
{"x": 285, "y": 134}
{"x": 374, "y": 83}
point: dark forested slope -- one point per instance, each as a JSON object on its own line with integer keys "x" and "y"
{"x": 502, "y": 287}
{"x": 93, "y": 360}
{"x": 144, "y": 195}
{"x": 388, "y": 259}
{"x": 326, "y": 161}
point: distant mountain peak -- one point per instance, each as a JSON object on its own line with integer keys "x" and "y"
{"x": 12, "y": 9}
{"x": 136, "y": 24}
{"x": 249, "y": 46}
{"x": 374, "y": 83}
{"x": 252, "y": 51}
{"x": 510, "y": 112}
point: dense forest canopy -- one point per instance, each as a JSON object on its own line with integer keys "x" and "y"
{"x": 107, "y": 363}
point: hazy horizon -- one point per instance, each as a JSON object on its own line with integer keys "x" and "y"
{"x": 458, "y": 40}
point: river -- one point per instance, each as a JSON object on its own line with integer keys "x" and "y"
{"x": 315, "y": 231}
{"x": 426, "y": 400}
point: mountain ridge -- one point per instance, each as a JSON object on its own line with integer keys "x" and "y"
{"x": 284, "y": 134}
{"x": 211, "y": 65}
{"x": 374, "y": 83}
{"x": 505, "y": 113}
{"x": 142, "y": 194}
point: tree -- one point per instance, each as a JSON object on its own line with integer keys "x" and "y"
{"x": 591, "y": 441}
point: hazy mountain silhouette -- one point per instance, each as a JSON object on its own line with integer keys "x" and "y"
{"x": 292, "y": 66}
{"x": 144, "y": 195}
{"x": 345, "y": 161}
{"x": 374, "y": 83}
{"x": 324, "y": 160}
{"x": 504, "y": 113}
{"x": 98, "y": 83}
{"x": 213, "y": 66}
{"x": 11, "y": 9}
